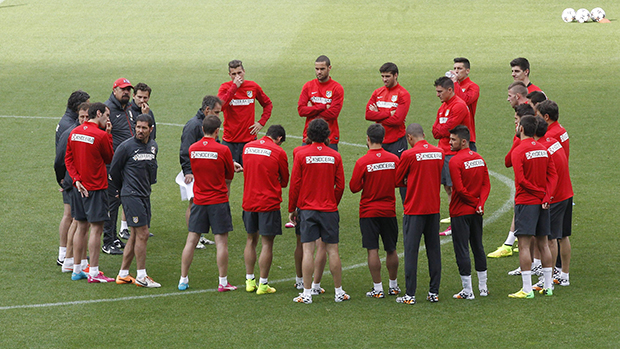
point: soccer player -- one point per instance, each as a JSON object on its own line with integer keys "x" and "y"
{"x": 66, "y": 186}
{"x": 265, "y": 174}
{"x": 88, "y": 151}
{"x": 238, "y": 96}
{"x": 192, "y": 133}
{"x": 139, "y": 105}
{"x": 468, "y": 91}
{"x": 123, "y": 125}
{"x": 471, "y": 188}
{"x": 452, "y": 112}
{"x": 68, "y": 121}
{"x": 550, "y": 112}
{"x": 517, "y": 94}
{"x": 389, "y": 106}
{"x": 521, "y": 72}
{"x": 535, "y": 97}
{"x": 317, "y": 185}
{"x": 212, "y": 165}
{"x": 322, "y": 98}
{"x": 420, "y": 170}
{"x": 375, "y": 175}
{"x": 535, "y": 182}
{"x": 134, "y": 170}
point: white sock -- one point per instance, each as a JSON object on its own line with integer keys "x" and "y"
{"x": 308, "y": 292}
{"x": 68, "y": 263}
{"x": 77, "y": 268}
{"x": 510, "y": 240}
{"x": 249, "y": 276}
{"x": 526, "y": 276}
{"x": 263, "y": 281}
{"x": 547, "y": 274}
{"x": 299, "y": 280}
{"x": 378, "y": 286}
{"x": 564, "y": 276}
{"x": 482, "y": 280}
{"x": 466, "y": 281}
{"x": 316, "y": 286}
{"x": 124, "y": 225}
{"x": 94, "y": 271}
{"x": 184, "y": 280}
{"x": 62, "y": 252}
{"x": 84, "y": 263}
{"x": 141, "y": 273}
{"x": 224, "y": 280}
{"x": 535, "y": 263}
{"x": 338, "y": 290}
{"x": 123, "y": 273}
{"x": 393, "y": 283}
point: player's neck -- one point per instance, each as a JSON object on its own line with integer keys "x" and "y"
{"x": 374, "y": 146}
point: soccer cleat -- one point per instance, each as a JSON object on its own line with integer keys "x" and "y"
{"x": 502, "y": 251}
{"x": 484, "y": 292}
{"x": 79, "y": 276}
{"x": 67, "y": 269}
{"x": 183, "y": 286}
{"x": 464, "y": 295}
{"x": 147, "y": 281}
{"x": 124, "y": 234}
{"x": 206, "y": 241}
{"x": 445, "y": 220}
{"x": 289, "y": 225}
{"x": 59, "y": 261}
{"x": 375, "y": 294}
{"x": 100, "y": 278}
{"x": 446, "y": 232}
{"x": 299, "y": 285}
{"x": 537, "y": 270}
{"x": 406, "y": 299}
{"x": 118, "y": 243}
{"x": 561, "y": 282}
{"x": 522, "y": 294}
{"x": 432, "y": 297}
{"x": 125, "y": 280}
{"x": 87, "y": 269}
{"x": 265, "y": 289}
{"x": 303, "y": 299}
{"x": 393, "y": 291}
{"x": 539, "y": 285}
{"x": 515, "y": 272}
{"x": 317, "y": 291}
{"x": 111, "y": 249}
{"x": 546, "y": 292}
{"x": 342, "y": 297}
{"x": 556, "y": 273}
{"x": 228, "y": 287}
{"x": 250, "y": 285}
{"x": 200, "y": 246}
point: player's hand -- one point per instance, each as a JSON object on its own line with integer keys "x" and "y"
{"x": 60, "y": 190}
{"x": 480, "y": 210}
{"x": 453, "y": 77}
{"x": 373, "y": 107}
{"x": 255, "y": 128}
{"x": 327, "y": 106}
{"x": 145, "y": 108}
{"x": 238, "y": 167}
{"x": 310, "y": 103}
{"x": 293, "y": 217}
{"x": 108, "y": 127}
{"x": 189, "y": 178}
{"x": 545, "y": 205}
{"x": 393, "y": 112}
{"x": 238, "y": 81}
{"x": 81, "y": 189}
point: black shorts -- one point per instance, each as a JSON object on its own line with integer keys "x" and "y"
{"x": 217, "y": 217}
{"x": 264, "y": 223}
{"x": 396, "y": 148}
{"x": 93, "y": 208}
{"x": 560, "y": 213}
{"x": 137, "y": 210}
{"x": 317, "y": 224}
{"x": 236, "y": 149}
{"x": 445, "y": 171}
{"x": 66, "y": 196}
{"x": 373, "y": 227}
{"x": 531, "y": 220}
{"x": 77, "y": 207}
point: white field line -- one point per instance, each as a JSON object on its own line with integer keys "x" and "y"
{"x": 490, "y": 219}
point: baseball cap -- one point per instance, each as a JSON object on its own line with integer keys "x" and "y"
{"x": 122, "y": 83}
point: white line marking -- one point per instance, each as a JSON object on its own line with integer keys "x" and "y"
{"x": 492, "y": 218}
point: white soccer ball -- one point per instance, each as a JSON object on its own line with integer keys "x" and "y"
{"x": 568, "y": 15}
{"x": 597, "y": 14}
{"x": 582, "y": 15}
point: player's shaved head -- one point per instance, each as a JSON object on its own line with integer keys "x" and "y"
{"x": 415, "y": 130}
{"x": 210, "y": 124}
{"x": 324, "y": 59}
{"x": 518, "y": 87}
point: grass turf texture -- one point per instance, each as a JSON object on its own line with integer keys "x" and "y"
{"x": 49, "y": 49}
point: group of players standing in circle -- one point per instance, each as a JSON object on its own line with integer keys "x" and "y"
{"x": 106, "y": 156}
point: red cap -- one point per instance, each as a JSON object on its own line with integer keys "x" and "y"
{"x": 122, "y": 83}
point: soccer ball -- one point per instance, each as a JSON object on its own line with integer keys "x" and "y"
{"x": 582, "y": 15}
{"x": 597, "y": 14}
{"x": 568, "y": 15}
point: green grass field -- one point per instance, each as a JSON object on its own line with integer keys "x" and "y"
{"x": 50, "y": 48}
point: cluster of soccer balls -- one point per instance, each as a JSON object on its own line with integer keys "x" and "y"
{"x": 583, "y": 15}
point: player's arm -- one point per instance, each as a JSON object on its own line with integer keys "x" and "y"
{"x": 266, "y": 103}
{"x": 399, "y": 115}
{"x": 458, "y": 115}
{"x": 293, "y": 191}
{"x": 335, "y": 107}
{"x": 107, "y": 148}
{"x": 59, "y": 161}
{"x": 283, "y": 169}
{"x": 485, "y": 190}
{"x": 186, "y": 142}
{"x": 403, "y": 170}
{"x": 117, "y": 166}
{"x": 357, "y": 178}
{"x": 552, "y": 181}
{"x": 373, "y": 113}
{"x": 305, "y": 107}
{"x": 339, "y": 183}
{"x": 227, "y": 94}
{"x": 508, "y": 158}
{"x": 520, "y": 180}
{"x": 458, "y": 189}
{"x": 70, "y": 164}
{"x": 470, "y": 95}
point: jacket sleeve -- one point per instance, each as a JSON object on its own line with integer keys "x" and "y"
{"x": 226, "y": 94}
{"x": 458, "y": 114}
{"x": 401, "y": 111}
{"x": 302, "y": 105}
{"x": 470, "y": 95}
{"x": 335, "y": 107}
{"x": 266, "y": 103}
{"x": 457, "y": 184}
{"x": 118, "y": 163}
{"x": 402, "y": 170}
{"x": 107, "y": 149}
{"x": 339, "y": 183}
{"x": 376, "y": 116}
{"x": 59, "y": 161}
{"x": 186, "y": 142}
{"x": 295, "y": 185}
{"x": 486, "y": 188}
{"x": 283, "y": 169}
{"x": 69, "y": 162}
{"x": 552, "y": 180}
{"x": 357, "y": 178}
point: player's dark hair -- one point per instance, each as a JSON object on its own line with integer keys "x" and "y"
{"x": 141, "y": 87}
{"x": 518, "y": 87}
{"x": 522, "y": 63}
{"x": 389, "y": 67}
{"x": 210, "y": 124}
{"x": 94, "y": 108}
{"x": 75, "y": 99}
{"x": 84, "y": 106}
{"x": 211, "y": 102}
{"x": 536, "y": 97}
{"x": 528, "y": 122}
{"x": 524, "y": 109}
{"x": 461, "y": 131}
{"x": 234, "y": 64}
{"x": 550, "y": 108}
{"x": 145, "y": 118}
{"x": 318, "y": 131}
{"x": 276, "y": 131}
{"x": 444, "y": 82}
{"x": 463, "y": 60}
{"x": 415, "y": 130}
{"x": 541, "y": 126}
{"x": 376, "y": 133}
{"x": 323, "y": 58}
